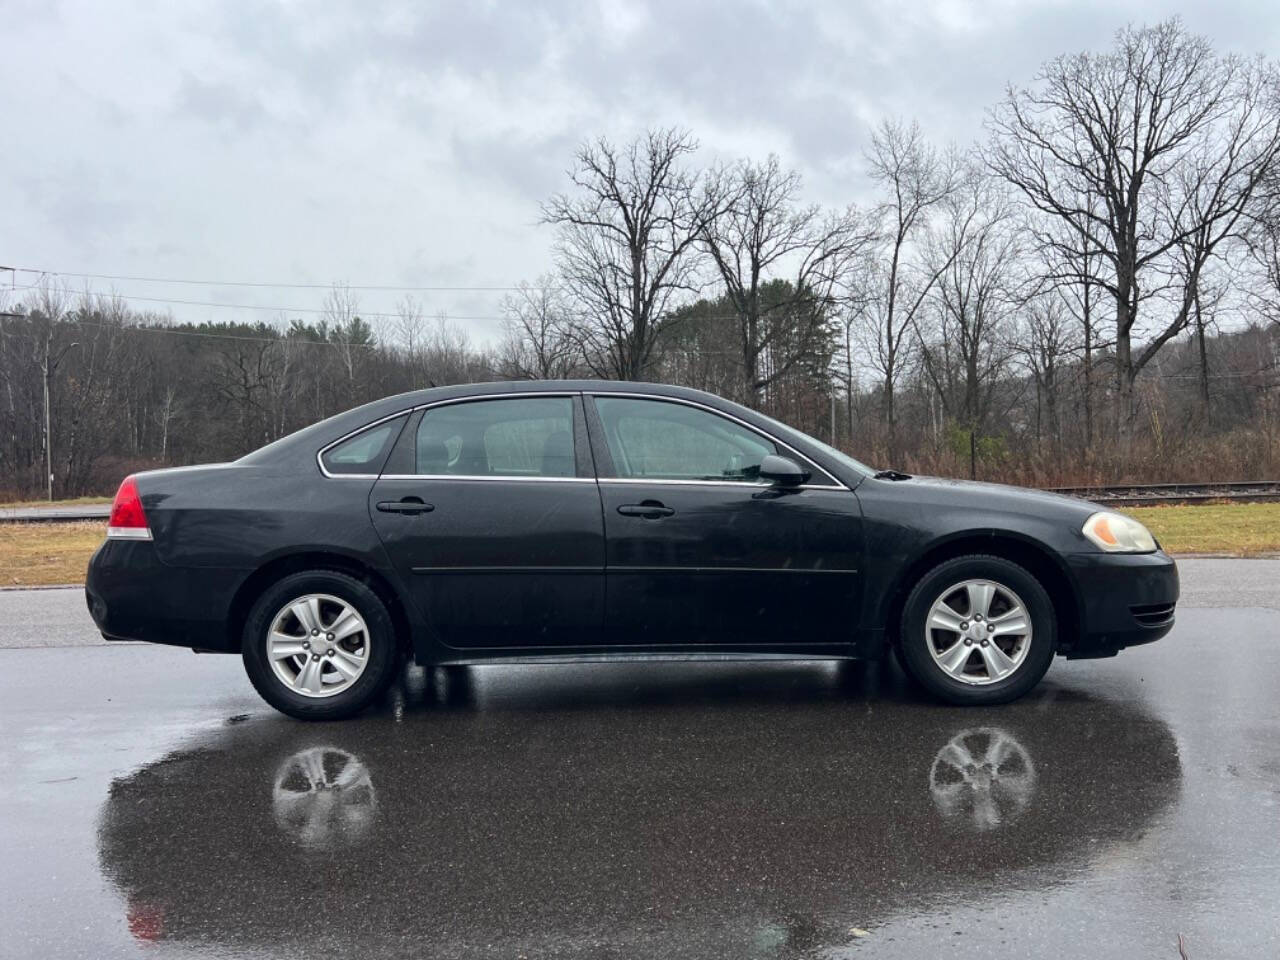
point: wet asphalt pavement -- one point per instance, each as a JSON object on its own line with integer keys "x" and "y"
{"x": 151, "y": 806}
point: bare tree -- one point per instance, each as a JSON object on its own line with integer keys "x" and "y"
{"x": 627, "y": 244}
{"x": 243, "y": 378}
{"x": 346, "y": 330}
{"x": 447, "y": 355}
{"x": 1149, "y": 150}
{"x": 760, "y": 234}
{"x": 1263, "y": 244}
{"x": 410, "y": 326}
{"x": 99, "y": 320}
{"x": 1070, "y": 266}
{"x": 50, "y": 305}
{"x": 973, "y": 253}
{"x": 1211, "y": 299}
{"x": 168, "y": 412}
{"x": 280, "y": 379}
{"x": 914, "y": 178}
{"x": 1048, "y": 344}
{"x": 538, "y": 340}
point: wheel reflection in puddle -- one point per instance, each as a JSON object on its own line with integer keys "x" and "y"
{"x": 323, "y": 798}
{"x": 983, "y": 778}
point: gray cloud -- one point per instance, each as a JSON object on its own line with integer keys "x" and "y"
{"x": 402, "y": 142}
{"x": 223, "y": 105}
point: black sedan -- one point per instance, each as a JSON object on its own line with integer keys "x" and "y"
{"x": 569, "y": 521}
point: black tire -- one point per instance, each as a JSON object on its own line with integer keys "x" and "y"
{"x": 895, "y": 654}
{"x": 383, "y": 648}
{"x": 913, "y": 639}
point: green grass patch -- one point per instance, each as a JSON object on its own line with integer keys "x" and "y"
{"x": 1235, "y": 529}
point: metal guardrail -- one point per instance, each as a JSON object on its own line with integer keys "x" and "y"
{"x": 54, "y": 514}
{"x": 1155, "y": 494}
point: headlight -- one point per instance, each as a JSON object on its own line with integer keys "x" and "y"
{"x": 1116, "y": 533}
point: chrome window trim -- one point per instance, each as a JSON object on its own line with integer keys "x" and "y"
{"x": 500, "y": 396}
{"x": 838, "y": 485}
{"x": 427, "y": 406}
{"x": 347, "y": 436}
{"x": 525, "y": 394}
{"x": 740, "y": 484}
{"x": 484, "y": 477}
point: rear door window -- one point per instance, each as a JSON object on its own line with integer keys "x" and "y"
{"x": 518, "y": 437}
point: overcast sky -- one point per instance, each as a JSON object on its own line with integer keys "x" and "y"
{"x": 410, "y": 144}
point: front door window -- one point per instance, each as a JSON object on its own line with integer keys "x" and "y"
{"x": 653, "y": 440}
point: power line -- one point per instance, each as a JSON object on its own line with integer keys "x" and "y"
{"x": 479, "y": 288}
{"x": 178, "y": 332}
{"x": 362, "y": 314}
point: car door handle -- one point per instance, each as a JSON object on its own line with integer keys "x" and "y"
{"x": 409, "y": 505}
{"x": 649, "y": 510}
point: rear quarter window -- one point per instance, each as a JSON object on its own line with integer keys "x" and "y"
{"x": 364, "y": 453}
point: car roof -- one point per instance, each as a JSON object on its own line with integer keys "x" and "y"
{"x": 552, "y": 386}
{"x": 403, "y": 401}
{"x": 302, "y": 445}
{"x": 312, "y": 437}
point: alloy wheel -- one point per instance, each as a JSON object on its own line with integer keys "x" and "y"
{"x": 318, "y": 645}
{"x": 978, "y": 632}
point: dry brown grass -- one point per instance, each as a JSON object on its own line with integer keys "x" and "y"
{"x": 40, "y": 554}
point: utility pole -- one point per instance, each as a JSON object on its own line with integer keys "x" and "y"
{"x": 49, "y": 370}
{"x": 48, "y": 437}
{"x": 5, "y": 315}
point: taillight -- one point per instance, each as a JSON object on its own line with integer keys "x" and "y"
{"x": 128, "y": 519}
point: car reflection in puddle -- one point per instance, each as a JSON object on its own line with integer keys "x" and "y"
{"x": 983, "y": 778}
{"x": 323, "y": 798}
{"x": 647, "y": 810}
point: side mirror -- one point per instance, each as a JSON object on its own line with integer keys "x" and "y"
{"x": 782, "y": 471}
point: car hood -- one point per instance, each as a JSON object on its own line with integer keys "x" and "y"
{"x": 996, "y": 497}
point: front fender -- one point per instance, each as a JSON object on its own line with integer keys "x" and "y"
{"x": 908, "y": 532}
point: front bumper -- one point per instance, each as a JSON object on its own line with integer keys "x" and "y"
{"x": 1125, "y": 599}
{"x": 132, "y": 595}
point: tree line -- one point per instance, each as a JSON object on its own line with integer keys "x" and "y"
{"x": 1089, "y": 293}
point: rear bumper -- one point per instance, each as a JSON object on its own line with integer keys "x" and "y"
{"x": 1125, "y": 600}
{"x": 133, "y": 596}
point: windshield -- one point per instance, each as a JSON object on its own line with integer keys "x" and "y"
{"x": 846, "y": 460}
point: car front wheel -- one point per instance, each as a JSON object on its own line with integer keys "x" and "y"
{"x": 319, "y": 645}
{"x": 978, "y": 630}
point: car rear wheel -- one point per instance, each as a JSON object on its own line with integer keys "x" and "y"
{"x": 319, "y": 645}
{"x": 978, "y": 630}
